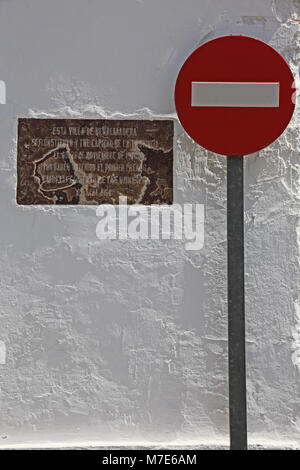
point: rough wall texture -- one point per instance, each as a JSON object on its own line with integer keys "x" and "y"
{"x": 126, "y": 341}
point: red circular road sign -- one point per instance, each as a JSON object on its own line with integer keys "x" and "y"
{"x": 235, "y": 95}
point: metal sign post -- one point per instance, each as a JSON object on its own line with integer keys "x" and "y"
{"x": 236, "y": 303}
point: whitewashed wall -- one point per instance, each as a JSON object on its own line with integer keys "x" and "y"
{"x": 121, "y": 341}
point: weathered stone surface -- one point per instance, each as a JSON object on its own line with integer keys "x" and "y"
{"x": 89, "y": 161}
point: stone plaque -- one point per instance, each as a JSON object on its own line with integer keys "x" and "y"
{"x": 93, "y": 161}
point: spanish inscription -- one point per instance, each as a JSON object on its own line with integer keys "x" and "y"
{"x": 92, "y": 161}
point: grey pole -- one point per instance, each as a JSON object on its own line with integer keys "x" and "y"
{"x": 236, "y": 303}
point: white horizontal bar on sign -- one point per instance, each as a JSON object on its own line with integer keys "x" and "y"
{"x": 236, "y": 94}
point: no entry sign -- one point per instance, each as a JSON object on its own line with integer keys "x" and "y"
{"x": 234, "y": 95}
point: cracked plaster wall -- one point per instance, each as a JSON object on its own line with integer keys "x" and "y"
{"x": 122, "y": 341}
